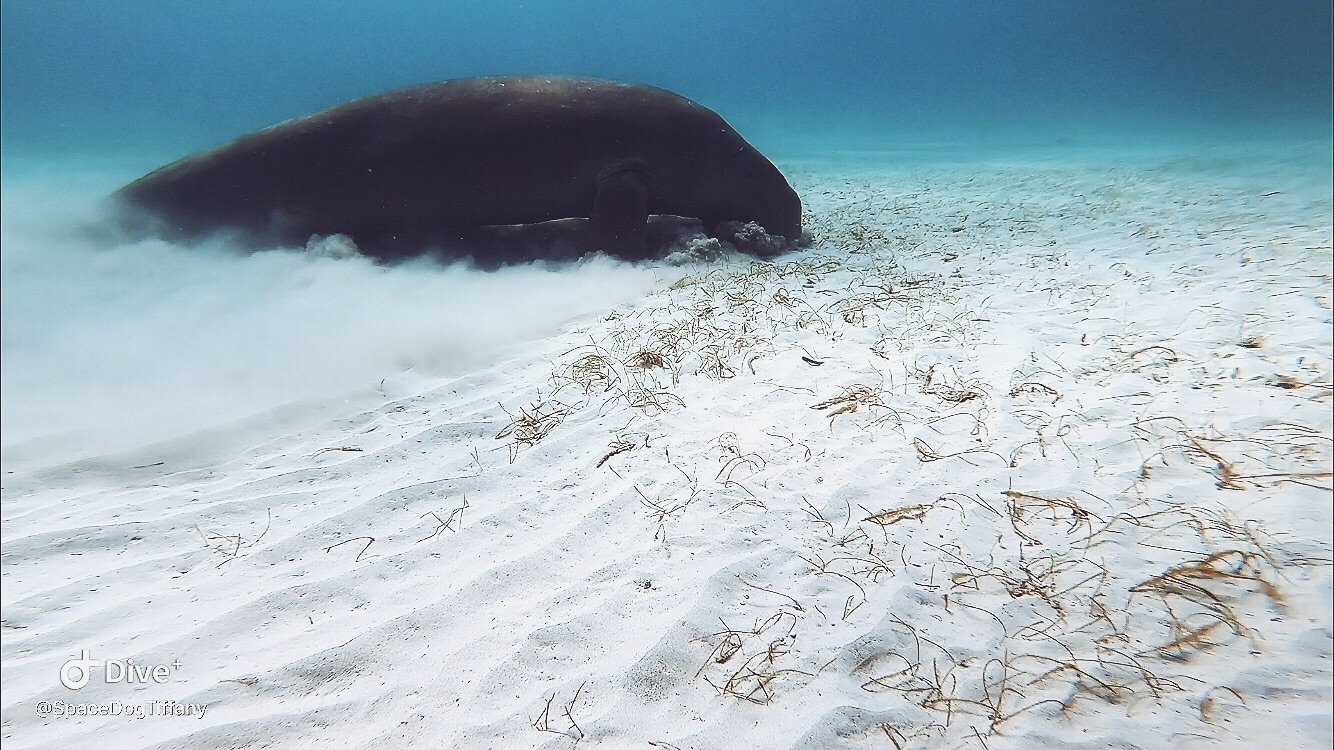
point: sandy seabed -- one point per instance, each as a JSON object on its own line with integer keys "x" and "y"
{"x": 1025, "y": 453}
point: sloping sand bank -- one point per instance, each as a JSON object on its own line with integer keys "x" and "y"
{"x": 1022, "y": 454}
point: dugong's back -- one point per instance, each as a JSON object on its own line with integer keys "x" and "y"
{"x": 425, "y": 161}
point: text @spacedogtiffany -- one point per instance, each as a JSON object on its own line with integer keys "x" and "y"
{"x": 76, "y": 674}
{"x": 141, "y": 710}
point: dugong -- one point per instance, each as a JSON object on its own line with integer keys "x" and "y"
{"x": 425, "y": 169}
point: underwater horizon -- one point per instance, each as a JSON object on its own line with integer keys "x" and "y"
{"x": 157, "y": 80}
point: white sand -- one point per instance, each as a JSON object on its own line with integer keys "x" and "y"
{"x": 1023, "y": 454}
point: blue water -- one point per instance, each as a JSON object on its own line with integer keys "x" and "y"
{"x": 103, "y": 350}
{"x": 170, "y": 76}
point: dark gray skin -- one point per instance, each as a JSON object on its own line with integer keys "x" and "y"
{"x": 427, "y": 168}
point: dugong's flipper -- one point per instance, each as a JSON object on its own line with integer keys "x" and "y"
{"x": 619, "y": 219}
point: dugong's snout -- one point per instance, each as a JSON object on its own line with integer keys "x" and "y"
{"x": 774, "y": 206}
{"x": 785, "y": 217}
{"x": 769, "y": 200}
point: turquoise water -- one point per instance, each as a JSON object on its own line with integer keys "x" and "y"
{"x": 140, "y": 341}
{"x": 165, "y": 77}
